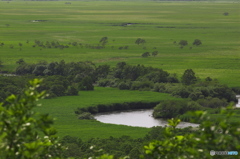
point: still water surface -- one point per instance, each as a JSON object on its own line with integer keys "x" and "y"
{"x": 138, "y": 118}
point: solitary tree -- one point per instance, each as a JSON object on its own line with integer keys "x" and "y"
{"x": 188, "y": 77}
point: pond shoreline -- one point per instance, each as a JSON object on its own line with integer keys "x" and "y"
{"x": 136, "y": 118}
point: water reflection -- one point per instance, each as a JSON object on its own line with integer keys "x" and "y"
{"x": 138, "y": 118}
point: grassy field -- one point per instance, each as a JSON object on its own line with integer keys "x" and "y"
{"x": 160, "y": 24}
{"x": 86, "y": 22}
{"x": 66, "y": 122}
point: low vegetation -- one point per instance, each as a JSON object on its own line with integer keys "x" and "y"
{"x": 27, "y": 143}
{"x": 100, "y": 56}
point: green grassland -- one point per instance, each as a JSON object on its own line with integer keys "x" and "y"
{"x": 67, "y": 123}
{"x": 159, "y": 23}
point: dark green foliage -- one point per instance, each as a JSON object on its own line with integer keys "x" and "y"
{"x": 213, "y": 102}
{"x": 124, "y": 85}
{"x": 181, "y": 91}
{"x": 24, "y": 134}
{"x": 130, "y": 72}
{"x": 140, "y": 41}
{"x": 57, "y": 86}
{"x": 20, "y": 62}
{"x": 236, "y": 90}
{"x": 197, "y": 42}
{"x": 183, "y": 43}
{"x": 12, "y": 85}
{"x": 154, "y": 53}
{"x": 142, "y": 85}
{"x": 208, "y": 79}
{"x": 116, "y": 107}
{"x": 172, "y": 78}
{"x": 158, "y": 76}
{"x": 86, "y": 84}
{"x": 103, "y": 41}
{"x": 226, "y": 13}
{"x": 1, "y": 64}
{"x": 71, "y": 91}
{"x": 196, "y": 95}
{"x": 102, "y": 71}
{"x": 145, "y": 54}
{"x": 38, "y": 70}
{"x": 106, "y": 82}
{"x": 58, "y": 90}
{"x": 24, "y": 69}
{"x": 221, "y": 136}
{"x": 172, "y": 109}
{"x": 118, "y": 147}
{"x": 85, "y": 115}
{"x": 189, "y": 77}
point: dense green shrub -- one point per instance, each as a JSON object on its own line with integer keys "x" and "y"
{"x": 85, "y": 115}
{"x": 124, "y": 85}
{"x": 189, "y": 77}
{"x": 236, "y": 90}
{"x": 181, "y": 91}
{"x": 140, "y": 85}
{"x": 86, "y": 84}
{"x": 116, "y": 107}
{"x": 212, "y": 102}
{"x": 71, "y": 91}
{"x": 173, "y": 108}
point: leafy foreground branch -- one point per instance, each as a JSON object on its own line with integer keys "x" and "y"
{"x": 224, "y": 136}
{"x": 24, "y": 134}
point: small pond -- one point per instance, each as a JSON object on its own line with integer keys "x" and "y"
{"x": 137, "y": 118}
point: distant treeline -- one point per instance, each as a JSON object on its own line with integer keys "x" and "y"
{"x": 62, "y": 78}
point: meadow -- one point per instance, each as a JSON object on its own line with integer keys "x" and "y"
{"x": 159, "y": 23}
{"x": 66, "y": 121}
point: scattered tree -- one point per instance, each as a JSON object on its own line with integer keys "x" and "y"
{"x": 145, "y": 54}
{"x": 183, "y": 43}
{"x": 20, "y": 44}
{"x": 197, "y": 42}
{"x": 226, "y": 13}
{"x": 20, "y": 62}
{"x": 140, "y": 41}
{"x": 154, "y": 53}
{"x": 103, "y": 41}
